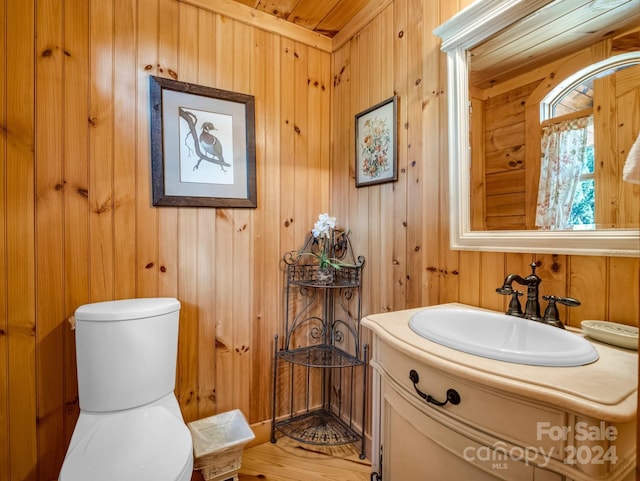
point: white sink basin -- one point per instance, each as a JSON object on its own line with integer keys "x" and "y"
{"x": 505, "y": 338}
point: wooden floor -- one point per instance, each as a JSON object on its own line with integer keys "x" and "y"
{"x": 288, "y": 460}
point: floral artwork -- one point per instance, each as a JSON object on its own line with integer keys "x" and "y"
{"x": 375, "y": 148}
{"x": 376, "y": 144}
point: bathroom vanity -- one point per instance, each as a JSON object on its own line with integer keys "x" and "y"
{"x": 440, "y": 413}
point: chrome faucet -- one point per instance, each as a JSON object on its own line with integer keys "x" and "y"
{"x": 532, "y": 307}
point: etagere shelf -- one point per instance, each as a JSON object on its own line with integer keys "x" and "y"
{"x": 320, "y": 363}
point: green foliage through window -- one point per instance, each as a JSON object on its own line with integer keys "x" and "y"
{"x": 582, "y": 211}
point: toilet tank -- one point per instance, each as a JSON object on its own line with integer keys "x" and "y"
{"x": 126, "y": 352}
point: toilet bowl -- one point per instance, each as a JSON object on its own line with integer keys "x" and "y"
{"x": 144, "y": 443}
{"x": 130, "y": 426}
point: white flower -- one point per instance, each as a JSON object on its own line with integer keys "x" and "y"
{"x": 322, "y": 228}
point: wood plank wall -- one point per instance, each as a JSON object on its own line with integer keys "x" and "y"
{"x": 77, "y": 225}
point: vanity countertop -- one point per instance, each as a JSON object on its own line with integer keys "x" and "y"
{"x": 605, "y": 389}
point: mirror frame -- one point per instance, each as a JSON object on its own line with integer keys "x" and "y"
{"x": 463, "y": 31}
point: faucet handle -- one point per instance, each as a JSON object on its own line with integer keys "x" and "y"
{"x": 551, "y": 315}
{"x": 515, "y": 308}
{"x": 568, "y": 301}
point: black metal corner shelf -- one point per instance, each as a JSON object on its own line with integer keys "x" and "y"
{"x": 318, "y": 427}
{"x": 319, "y": 356}
{"x": 321, "y": 349}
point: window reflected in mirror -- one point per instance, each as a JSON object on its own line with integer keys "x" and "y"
{"x": 567, "y": 187}
{"x": 548, "y": 148}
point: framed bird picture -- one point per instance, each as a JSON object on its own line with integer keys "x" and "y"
{"x": 203, "y": 149}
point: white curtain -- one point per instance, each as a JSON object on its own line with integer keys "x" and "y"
{"x": 562, "y": 151}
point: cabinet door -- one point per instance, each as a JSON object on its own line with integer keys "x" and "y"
{"x": 416, "y": 447}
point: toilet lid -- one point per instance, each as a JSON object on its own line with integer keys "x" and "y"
{"x": 147, "y": 444}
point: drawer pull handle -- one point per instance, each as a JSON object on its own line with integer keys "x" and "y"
{"x": 452, "y": 395}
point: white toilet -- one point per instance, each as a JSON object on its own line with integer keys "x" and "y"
{"x": 130, "y": 426}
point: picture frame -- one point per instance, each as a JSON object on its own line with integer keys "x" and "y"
{"x": 376, "y": 141}
{"x": 203, "y": 148}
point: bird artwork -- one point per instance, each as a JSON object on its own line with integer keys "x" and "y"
{"x": 206, "y": 145}
{"x": 210, "y": 144}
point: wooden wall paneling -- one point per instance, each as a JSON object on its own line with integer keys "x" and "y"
{"x": 504, "y": 137}
{"x": 319, "y": 124}
{"x": 49, "y": 239}
{"x": 287, "y": 152}
{"x": 287, "y": 196}
{"x": 20, "y": 241}
{"x": 225, "y": 250}
{"x": 504, "y": 132}
{"x": 124, "y": 148}
{"x": 147, "y": 234}
{"x": 627, "y": 82}
{"x": 606, "y": 155}
{"x": 267, "y": 274}
{"x": 206, "y": 281}
{"x": 4, "y": 321}
{"x": 354, "y": 103}
{"x": 493, "y": 269}
{"x": 480, "y": 162}
{"x": 76, "y": 198}
{"x": 224, "y": 313}
{"x": 319, "y": 143}
{"x": 342, "y": 185}
{"x": 401, "y": 226}
{"x": 269, "y": 314}
{"x": 532, "y": 152}
{"x": 444, "y": 285}
{"x": 243, "y": 242}
{"x": 589, "y": 283}
{"x": 168, "y": 66}
{"x": 451, "y": 288}
{"x": 340, "y": 157}
{"x": 418, "y": 166}
{"x": 624, "y": 299}
{"x": 365, "y": 204}
{"x": 360, "y": 210}
{"x": 206, "y": 285}
{"x": 377, "y": 75}
{"x": 469, "y": 278}
{"x": 386, "y": 222}
{"x": 311, "y": 197}
{"x": 187, "y": 260}
{"x": 188, "y": 266}
{"x": 553, "y": 269}
{"x": 304, "y": 209}
{"x": 101, "y": 173}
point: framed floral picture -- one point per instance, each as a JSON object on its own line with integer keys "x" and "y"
{"x": 376, "y": 143}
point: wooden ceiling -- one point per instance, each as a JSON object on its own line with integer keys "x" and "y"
{"x": 326, "y": 17}
{"x": 558, "y": 29}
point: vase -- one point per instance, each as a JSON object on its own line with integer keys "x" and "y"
{"x": 325, "y": 275}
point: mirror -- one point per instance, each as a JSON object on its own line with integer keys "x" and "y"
{"x": 532, "y": 26}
